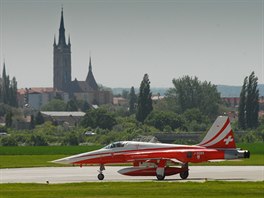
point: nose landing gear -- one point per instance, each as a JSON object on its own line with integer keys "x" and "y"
{"x": 100, "y": 176}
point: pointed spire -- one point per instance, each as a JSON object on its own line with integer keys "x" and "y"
{"x": 4, "y": 70}
{"x": 62, "y": 30}
{"x": 62, "y": 20}
{"x": 69, "y": 40}
{"x": 90, "y": 64}
{"x": 54, "y": 43}
{"x": 90, "y": 77}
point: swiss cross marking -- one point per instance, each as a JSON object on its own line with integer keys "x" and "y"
{"x": 229, "y": 139}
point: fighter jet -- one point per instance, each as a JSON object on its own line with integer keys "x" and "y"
{"x": 161, "y": 160}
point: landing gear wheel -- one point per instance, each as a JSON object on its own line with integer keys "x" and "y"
{"x": 160, "y": 177}
{"x": 184, "y": 174}
{"x": 100, "y": 176}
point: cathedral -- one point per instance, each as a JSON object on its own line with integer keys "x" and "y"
{"x": 87, "y": 90}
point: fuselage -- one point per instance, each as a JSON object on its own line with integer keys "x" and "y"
{"x": 130, "y": 151}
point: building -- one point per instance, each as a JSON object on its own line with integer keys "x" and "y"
{"x": 36, "y": 97}
{"x": 120, "y": 101}
{"x": 69, "y": 118}
{"x": 231, "y": 101}
{"x": 87, "y": 90}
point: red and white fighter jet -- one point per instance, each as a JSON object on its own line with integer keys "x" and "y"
{"x": 156, "y": 159}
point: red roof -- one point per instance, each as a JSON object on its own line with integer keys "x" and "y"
{"x": 35, "y": 90}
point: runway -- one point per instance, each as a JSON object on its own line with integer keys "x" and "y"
{"x": 89, "y": 174}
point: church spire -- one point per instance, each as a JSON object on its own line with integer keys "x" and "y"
{"x": 4, "y": 70}
{"x": 69, "y": 40}
{"x": 54, "y": 43}
{"x": 90, "y": 64}
{"x": 90, "y": 77}
{"x": 62, "y": 30}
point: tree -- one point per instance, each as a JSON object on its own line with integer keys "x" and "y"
{"x": 8, "y": 90}
{"x": 39, "y": 119}
{"x": 195, "y": 120}
{"x": 163, "y": 119}
{"x": 5, "y": 86}
{"x": 242, "y": 105}
{"x": 32, "y": 121}
{"x": 13, "y": 93}
{"x": 125, "y": 94}
{"x": 249, "y": 106}
{"x": 71, "y": 106}
{"x": 144, "y": 106}
{"x": 55, "y": 105}
{"x": 132, "y": 100}
{"x": 189, "y": 93}
{"x": 98, "y": 118}
{"x": 84, "y": 106}
{"x": 8, "y": 119}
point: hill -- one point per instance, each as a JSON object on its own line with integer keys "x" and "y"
{"x": 225, "y": 90}
{"x": 234, "y": 91}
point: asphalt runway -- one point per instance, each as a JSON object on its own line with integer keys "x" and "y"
{"x": 89, "y": 174}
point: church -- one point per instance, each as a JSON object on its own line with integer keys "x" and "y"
{"x": 87, "y": 90}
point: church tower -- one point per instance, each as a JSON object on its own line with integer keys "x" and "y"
{"x": 61, "y": 60}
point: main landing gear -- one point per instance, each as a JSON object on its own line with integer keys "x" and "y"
{"x": 100, "y": 176}
{"x": 160, "y": 177}
{"x": 185, "y": 173}
{"x": 161, "y": 172}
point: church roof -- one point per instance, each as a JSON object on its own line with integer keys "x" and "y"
{"x": 79, "y": 87}
{"x": 90, "y": 80}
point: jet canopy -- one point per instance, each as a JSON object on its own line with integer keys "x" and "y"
{"x": 115, "y": 145}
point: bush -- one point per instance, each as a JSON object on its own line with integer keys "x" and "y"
{"x": 38, "y": 140}
{"x": 250, "y": 137}
{"x": 71, "y": 140}
{"x": 8, "y": 141}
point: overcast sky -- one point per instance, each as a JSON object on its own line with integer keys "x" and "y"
{"x": 218, "y": 41}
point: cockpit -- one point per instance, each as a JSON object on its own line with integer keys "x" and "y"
{"x": 115, "y": 145}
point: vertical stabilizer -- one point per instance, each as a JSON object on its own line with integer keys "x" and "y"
{"x": 220, "y": 135}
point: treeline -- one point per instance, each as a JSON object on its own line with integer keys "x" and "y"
{"x": 190, "y": 105}
{"x": 249, "y": 103}
{"x": 8, "y": 89}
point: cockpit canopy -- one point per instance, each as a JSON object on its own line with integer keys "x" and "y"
{"x": 115, "y": 145}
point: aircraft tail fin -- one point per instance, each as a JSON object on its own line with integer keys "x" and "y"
{"x": 220, "y": 135}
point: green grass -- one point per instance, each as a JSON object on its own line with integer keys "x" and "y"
{"x": 26, "y": 161}
{"x": 254, "y": 160}
{"x": 254, "y": 148}
{"x": 45, "y": 150}
{"x": 40, "y": 156}
{"x": 134, "y": 189}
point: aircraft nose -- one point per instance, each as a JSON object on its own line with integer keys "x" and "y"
{"x": 62, "y": 161}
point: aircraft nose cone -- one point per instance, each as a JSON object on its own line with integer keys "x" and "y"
{"x": 62, "y": 161}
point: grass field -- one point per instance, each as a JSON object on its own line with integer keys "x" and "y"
{"x": 135, "y": 189}
{"x": 15, "y": 157}
{"x": 45, "y": 150}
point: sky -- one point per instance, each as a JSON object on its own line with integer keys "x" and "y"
{"x": 217, "y": 41}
